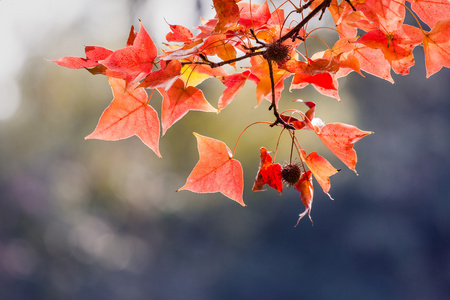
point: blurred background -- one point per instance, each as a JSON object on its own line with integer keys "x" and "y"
{"x": 101, "y": 220}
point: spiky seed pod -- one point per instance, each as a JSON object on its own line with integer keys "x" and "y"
{"x": 290, "y": 173}
{"x": 277, "y": 52}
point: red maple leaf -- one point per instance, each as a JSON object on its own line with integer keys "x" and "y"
{"x": 307, "y": 117}
{"x": 179, "y": 34}
{"x": 254, "y": 15}
{"x": 93, "y": 55}
{"x": 179, "y": 100}
{"x": 128, "y": 114}
{"x": 216, "y": 171}
{"x": 134, "y": 61}
{"x": 317, "y": 72}
{"x": 268, "y": 173}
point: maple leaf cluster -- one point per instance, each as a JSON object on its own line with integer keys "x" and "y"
{"x": 372, "y": 37}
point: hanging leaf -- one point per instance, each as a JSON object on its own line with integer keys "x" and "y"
{"x": 216, "y": 171}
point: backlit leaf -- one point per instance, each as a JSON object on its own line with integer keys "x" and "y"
{"x": 179, "y": 100}
{"x": 436, "y": 45}
{"x": 216, "y": 171}
{"x": 340, "y": 138}
{"x": 128, "y": 114}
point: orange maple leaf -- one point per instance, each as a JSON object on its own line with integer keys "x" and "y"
{"x": 128, "y": 114}
{"x": 436, "y": 45}
{"x": 340, "y": 138}
{"x": 219, "y": 45}
{"x": 260, "y": 69}
{"x": 385, "y": 14}
{"x": 193, "y": 74}
{"x": 321, "y": 169}
{"x": 216, "y": 171}
{"x": 304, "y": 185}
{"x": 373, "y": 62}
{"x": 397, "y": 45}
{"x": 227, "y": 12}
{"x": 431, "y": 11}
{"x": 179, "y": 100}
{"x": 234, "y": 83}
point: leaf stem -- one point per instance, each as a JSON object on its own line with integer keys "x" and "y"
{"x": 235, "y": 145}
{"x": 292, "y": 146}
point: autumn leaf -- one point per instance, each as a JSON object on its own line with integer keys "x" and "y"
{"x": 193, "y": 74}
{"x": 304, "y": 185}
{"x": 128, "y": 114}
{"x": 216, "y": 171}
{"x": 373, "y": 62}
{"x": 179, "y": 34}
{"x": 294, "y": 122}
{"x": 431, "y": 11}
{"x": 93, "y": 55}
{"x": 339, "y": 13}
{"x": 218, "y": 44}
{"x": 268, "y": 173}
{"x": 181, "y": 52}
{"x": 135, "y": 61}
{"x": 340, "y": 138}
{"x": 342, "y": 53}
{"x": 179, "y": 100}
{"x": 307, "y": 120}
{"x": 321, "y": 169}
{"x": 254, "y": 15}
{"x": 436, "y": 45}
{"x": 316, "y": 72}
{"x": 260, "y": 69}
{"x": 397, "y": 45}
{"x": 227, "y": 12}
{"x": 164, "y": 77}
{"x": 234, "y": 83}
{"x": 386, "y": 14}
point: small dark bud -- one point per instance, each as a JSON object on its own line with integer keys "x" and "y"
{"x": 277, "y": 52}
{"x": 291, "y": 174}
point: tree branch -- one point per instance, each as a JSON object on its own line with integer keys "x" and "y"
{"x": 273, "y": 106}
